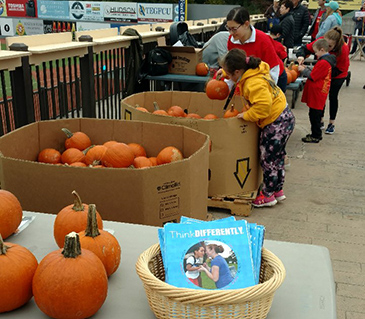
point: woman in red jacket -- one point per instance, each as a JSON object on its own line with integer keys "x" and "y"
{"x": 340, "y": 50}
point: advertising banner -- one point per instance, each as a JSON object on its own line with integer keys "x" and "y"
{"x": 183, "y": 6}
{"x": 53, "y": 9}
{"x": 2, "y": 8}
{"x": 154, "y": 12}
{"x": 6, "y": 27}
{"x": 86, "y": 11}
{"x": 120, "y": 11}
{"x": 82, "y": 26}
{"x": 21, "y": 8}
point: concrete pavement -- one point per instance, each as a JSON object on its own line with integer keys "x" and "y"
{"x": 325, "y": 189}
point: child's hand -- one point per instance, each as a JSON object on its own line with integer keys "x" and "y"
{"x": 240, "y": 115}
{"x": 300, "y": 60}
{"x": 301, "y": 67}
{"x": 219, "y": 74}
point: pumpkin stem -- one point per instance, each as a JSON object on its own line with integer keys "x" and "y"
{"x": 87, "y": 149}
{"x": 78, "y": 206}
{"x": 72, "y": 247}
{"x": 137, "y": 105}
{"x": 67, "y": 132}
{"x": 155, "y": 105}
{"x": 92, "y": 229}
{"x": 3, "y": 247}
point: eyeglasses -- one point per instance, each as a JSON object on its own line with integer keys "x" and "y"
{"x": 233, "y": 29}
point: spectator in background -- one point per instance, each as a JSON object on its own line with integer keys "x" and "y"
{"x": 332, "y": 18}
{"x": 215, "y": 48}
{"x": 275, "y": 34}
{"x": 359, "y": 28}
{"x": 318, "y": 18}
{"x": 306, "y": 4}
{"x": 301, "y": 18}
{"x": 287, "y": 24}
{"x": 272, "y": 14}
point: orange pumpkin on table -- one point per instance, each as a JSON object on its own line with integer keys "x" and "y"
{"x": 11, "y": 213}
{"x": 202, "y": 69}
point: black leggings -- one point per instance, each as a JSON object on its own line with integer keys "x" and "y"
{"x": 335, "y": 87}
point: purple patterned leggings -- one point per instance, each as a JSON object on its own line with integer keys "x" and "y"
{"x": 273, "y": 139}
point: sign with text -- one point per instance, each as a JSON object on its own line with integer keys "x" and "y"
{"x": 53, "y": 9}
{"x": 183, "y": 6}
{"x": 6, "y": 27}
{"x": 120, "y": 11}
{"x": 21, "y": 8}
{"x": 86, "y": 11}
{"x": 2, "y": 8}
{"x": 155, "y": 12}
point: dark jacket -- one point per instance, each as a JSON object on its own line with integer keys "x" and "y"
{"x": 359, "y": 24}
{"x": 301, "y": 18}
{"x": 287, "y": 24}
{"x": 270, "y": 13}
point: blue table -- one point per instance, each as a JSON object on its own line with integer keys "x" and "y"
{"x": 176, "y": 78}
{"x": 296, "y": 87}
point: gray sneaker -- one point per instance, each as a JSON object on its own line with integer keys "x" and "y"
{"x": 330, "y": 129}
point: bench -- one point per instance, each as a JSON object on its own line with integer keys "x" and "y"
{"x": 296, "y": 87}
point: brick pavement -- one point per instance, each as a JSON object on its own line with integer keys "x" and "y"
{"x": 325, "y": 187}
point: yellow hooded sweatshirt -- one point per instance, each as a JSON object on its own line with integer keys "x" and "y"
{"x": 264, "y": 100}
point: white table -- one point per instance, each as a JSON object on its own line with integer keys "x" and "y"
{"x": 307, "y": 292}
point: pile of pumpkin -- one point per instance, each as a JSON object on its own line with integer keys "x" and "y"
{"x": 80, "y": 152}
{"x": 178, "y": 111}
{"x": 71, "y": 282}
{"x": 292, "y": 72}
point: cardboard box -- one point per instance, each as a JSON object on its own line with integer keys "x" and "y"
{"x": 234, "y": 158}
{"x": 184, "y": 59}
{"x": 151, "y": 196}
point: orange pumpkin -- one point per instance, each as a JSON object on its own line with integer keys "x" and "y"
{"x": 11, "y": 213}
{"x": 202, "y": 69}
{"x": 176, "y": 111}
{"x": 231, "y": 112}
{"x": 141, "y": 162}
{"x": 78, "y": 164}
{"x": 295, "y": 68}
{"x": 289, "y": 75}
{"x": 18, "y": 266}
{"x": 94, "y": 154}
{"x": 137, "y": 149}
{"x": 50, "y": 156}
{"x": 168, "y": 155}
{"x": 77, "y": 140}
{"x": 217, "y": 90}
{"x": 101, "y": 243}
{"x": 160, "y": 112}
{"x": 294, "y": 75}
{"x": 193, "y": 116}
{"x": 153, "y": 160}
{"x": 72, "y": 155}
{"x": 72, "y": 218}
{"x": 70, "y": 282}
{"x": 142, "y": 109}
{"x": 118, "y": 155}
{"x": 210, "y": 117}
{"x": 109, "y": 143}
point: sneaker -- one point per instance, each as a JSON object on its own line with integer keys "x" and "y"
{"x": 322, "y": 126}
{"x": 330, "y": 129}
{"x": 310, "y": 139}
{"x": 263, "y": 201}
{"x": 279, "y": 196}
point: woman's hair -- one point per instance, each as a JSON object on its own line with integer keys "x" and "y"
{"x": 236, "y": 59}
{"x": 239, "y": 15}
{"x": 335, "y": 34}
{"x": 216, "y": 248}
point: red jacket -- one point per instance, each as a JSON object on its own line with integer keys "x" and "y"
{"x": 280, "y": 50}
{"x": 317, "y": 87}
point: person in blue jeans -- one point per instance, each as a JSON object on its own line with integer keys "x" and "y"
{"x": 219, "y": 271}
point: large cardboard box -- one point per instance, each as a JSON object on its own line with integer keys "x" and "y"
{"x": 184, "y": 59}
{"x": 234, "y": 158}
{"x": 151, "y": 196}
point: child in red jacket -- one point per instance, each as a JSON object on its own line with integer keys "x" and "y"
{"x": 317, "y": 87}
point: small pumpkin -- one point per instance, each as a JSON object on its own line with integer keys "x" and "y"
{"x": 217, "y": 89}
{"x": 142, "y": 109}
{"x": 289, "y": 76}
{"x": 231, "y": 112}
{"x": 193, "y": 116}
{"x": 78, "y": 164}
{"x": 202, "y": 69}
{"x": 160, "y": 112}
{"x": 118, "y": 155}
{"x": 101, "y": 243}
{"x": 72, "y": 155}
{"x": 168, "y": 155}
{"x": 11, "y": 213}
{"x": 153, "y": 160}
{"x": 77, "y": 140}
{"x": 142, "y": 162}
{"x": 294, "y": 75}
{"x": 109, "y": 143}
{"x": 210, "y": 116}
{"x": 72, "y": 218}
{"x": 70, "y": 283}
{"x": 17, "y": 268}
{"x": 137, "y": 149}
{"x": 176, "y": 111}
{"x": 94, "y": 154}
{"x": 50, "y": 156}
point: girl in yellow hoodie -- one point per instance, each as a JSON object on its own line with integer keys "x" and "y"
{"x": 265, "y": 104}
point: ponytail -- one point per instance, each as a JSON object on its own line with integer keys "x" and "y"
{"x": 237, "y": 59}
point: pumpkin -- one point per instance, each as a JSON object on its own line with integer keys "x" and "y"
{"x": 288, "y": 75}
{"x": 50, "y": 156}
{"x": 202, "y": 69}
{"x": 217, "y": 90}
{"x": 77, "y": 140}
{"x": 101, "y": 243}
{"x": 141, "y": 162}
{"x": 210, "y": 117}
{"x": 231, "y": 112}
{"x": 109, "y": 143}
{"x": 94, "y": 154}
{"x": 72, "y": 218}
{"x": 168, "y": 155}
{"x": 70, "y": 283}
{"x": 295, "y": 68}
{"x": 153, "y": 160}
{"x": 78, "y": 164}
{"x": 72, "y": 155}
{"x": 137, "y": 149}
{"x": 17, "y": 268}
{"x": 160, "y": 112}
{"x": 142, "y": 109}
{"x": 118, "y": 155}
{"x": 294, "y": 75}
{"x": 176, "y": 111}
{"x": 193, "y": 116}
{"x": 11, "y": 213}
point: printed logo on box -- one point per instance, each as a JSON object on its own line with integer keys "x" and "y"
{"x": 169, "y": 206}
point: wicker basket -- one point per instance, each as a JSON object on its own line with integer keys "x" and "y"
{"x": 167, "y": 301}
